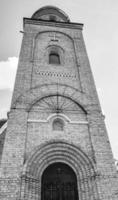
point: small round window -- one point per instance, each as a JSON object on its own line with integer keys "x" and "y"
{"x": 58, "y": 125}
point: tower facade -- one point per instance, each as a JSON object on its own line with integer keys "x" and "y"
{"x": 56, "y": 145}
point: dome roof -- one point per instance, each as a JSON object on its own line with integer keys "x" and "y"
{"x": 50, "y": 13}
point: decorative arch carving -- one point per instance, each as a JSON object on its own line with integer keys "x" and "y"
{"x": 60, "y": 151}
{"x": 30, "y": 97}
{"x": 54, "y": 32}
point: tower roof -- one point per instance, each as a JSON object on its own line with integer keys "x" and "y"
{"x": 48, "y": 12}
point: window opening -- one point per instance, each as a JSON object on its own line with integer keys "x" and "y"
{"x": 52, "y": 18}
{"x": 54, "y": 58}
{"x": 58, "y": 125}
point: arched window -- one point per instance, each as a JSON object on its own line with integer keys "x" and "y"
{"x": 54, "y": 58}
{"x": 52, "y": 18}
{"x": 58, "y": 125}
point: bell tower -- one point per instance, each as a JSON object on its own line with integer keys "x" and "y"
{"x": 56, "y": 145}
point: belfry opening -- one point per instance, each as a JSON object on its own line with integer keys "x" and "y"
{"x": 59, "y": 182}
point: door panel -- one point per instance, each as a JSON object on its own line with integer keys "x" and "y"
{"x": 59, "y": 183}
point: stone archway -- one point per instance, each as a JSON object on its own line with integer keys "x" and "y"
{"x": 59, "y": 152}
{"x": 30, "y": 97}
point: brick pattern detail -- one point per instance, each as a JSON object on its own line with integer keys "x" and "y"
{"x": 47, "y": 73}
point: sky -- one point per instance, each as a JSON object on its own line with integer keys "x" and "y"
{"x": 100, "y": 19}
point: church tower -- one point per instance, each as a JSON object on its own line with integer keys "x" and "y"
{"x": 56, "y": 145}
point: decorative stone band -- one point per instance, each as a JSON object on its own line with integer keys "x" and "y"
{"x": 62, "y": 116}
{"x": 45, "y": 121}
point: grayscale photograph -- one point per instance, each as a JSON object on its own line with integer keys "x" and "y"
{"x": 58, "y": 100}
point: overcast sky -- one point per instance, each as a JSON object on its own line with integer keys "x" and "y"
{"x": 100, "y": 18}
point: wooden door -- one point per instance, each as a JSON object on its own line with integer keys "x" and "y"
{"x": 59, "y": 183}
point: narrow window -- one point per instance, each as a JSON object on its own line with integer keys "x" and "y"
{"x": 58, "y": 125}
{"x": 52, "y": 18}
{"x": 54, "y": 58}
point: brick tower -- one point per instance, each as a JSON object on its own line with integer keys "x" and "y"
{"x": 56, "y": 145}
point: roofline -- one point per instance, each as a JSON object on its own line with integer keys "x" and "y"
{"x": 50, "y": 23}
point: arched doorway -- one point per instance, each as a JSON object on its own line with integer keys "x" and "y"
{"x": 59, "y": 182}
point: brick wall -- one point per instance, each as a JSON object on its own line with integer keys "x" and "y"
{"x": 40, "y": 90}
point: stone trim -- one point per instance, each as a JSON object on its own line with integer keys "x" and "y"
{"x": 30, "y": 97}
{"x": 52, "y": 24}
{"x": 45, "y": 121}
{"x": 59, "y": 151}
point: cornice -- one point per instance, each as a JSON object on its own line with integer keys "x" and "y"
{"x": 69, "y": 25}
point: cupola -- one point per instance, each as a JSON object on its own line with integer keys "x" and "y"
{"x": 50, "y": 13}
